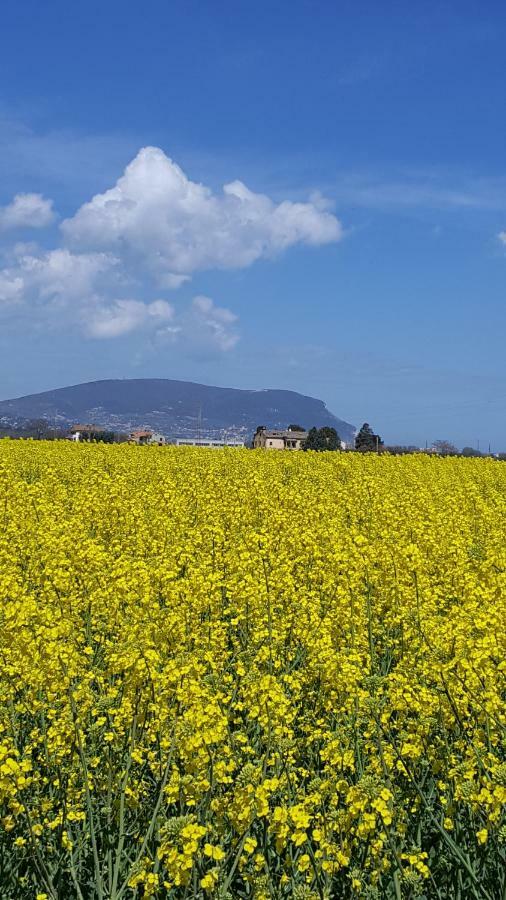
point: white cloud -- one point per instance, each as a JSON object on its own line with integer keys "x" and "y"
{"x": 150, "y": 232}
{"x": 215, "y": 324}
{"x": 53, "y": 277}
{"x": 26, "y": 211}
{"x": 61, "y": 289}
{"x": 156, "y": 216}
{"x": 11, "y": 287}
{"x": 426, "y": 189}
{"x": 123, "y": 316}
{"x": 502, "y": 237}
{"x": 172, "y": 281}
{"x": 202, "y": 327}
{"x": 69, "y": 276}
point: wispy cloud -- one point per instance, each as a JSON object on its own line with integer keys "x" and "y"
{"x": 59, "y": 158}
{"x": 432, "y": 190}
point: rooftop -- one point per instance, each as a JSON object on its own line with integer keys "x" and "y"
{"x": 293, "y": 435}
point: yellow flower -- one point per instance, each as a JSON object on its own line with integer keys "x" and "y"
{"x": 249, "y": 844}
{"x": 214, "y": 852}
{"x": 208, "y": 881}
{"x": 274, "y": 644}
{"x": 303, "y": 863}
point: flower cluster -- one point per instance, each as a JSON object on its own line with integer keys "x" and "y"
{"x": 235, "y": 674}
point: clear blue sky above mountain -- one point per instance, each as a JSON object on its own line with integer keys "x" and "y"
{"x": 358, "y": 252}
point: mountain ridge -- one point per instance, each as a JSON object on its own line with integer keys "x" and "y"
{"x": 176, "y": 408}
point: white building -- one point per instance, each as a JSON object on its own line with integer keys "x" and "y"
{"x": 145, "y": 436}
{"x": 279, "y": 440}
{"x": 203, "y": 442}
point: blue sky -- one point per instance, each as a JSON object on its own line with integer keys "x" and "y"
{"x": 358, "y": 253}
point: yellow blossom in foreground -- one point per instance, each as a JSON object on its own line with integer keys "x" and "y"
{"x": 244, "y": 674}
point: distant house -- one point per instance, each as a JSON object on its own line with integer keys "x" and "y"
{"x": 84, "y": 432}
{"x": 157, "y": 438}
{"x": 278, "y": 440}
{"x": 145, "y": 436}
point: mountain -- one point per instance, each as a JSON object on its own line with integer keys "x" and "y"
{"x": 176, "y": 408}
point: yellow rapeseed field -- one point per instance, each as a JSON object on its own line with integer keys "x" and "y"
{"x": 235, "y": 674}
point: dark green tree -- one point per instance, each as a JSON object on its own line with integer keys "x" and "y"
{"x": 107, "y": 437}
{"x": 322, "y": 439}
{"x": 470, "y": 451}
{"x": 98, "y": 437}
{"x": 330, "y": 438}
{"x": 367, "y": 441}
{"x": 296, "y": 428}
{"x": 401, "y": 449}
{"x": 312, "y": 441}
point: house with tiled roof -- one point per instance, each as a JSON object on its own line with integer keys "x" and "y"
{"x": 288, "y": 439}
{"x": 146, "y": 436}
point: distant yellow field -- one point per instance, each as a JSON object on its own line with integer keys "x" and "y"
{"x": 232, "y": 674}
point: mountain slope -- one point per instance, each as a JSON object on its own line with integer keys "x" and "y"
{"x": 176, "y": 408}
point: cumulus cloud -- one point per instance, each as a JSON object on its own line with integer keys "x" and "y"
{"x": 123, "y": 316}
{"x": 148, "y": 234}
{"x": 155, "y": 214}
{"x": 58, "y": 288}
{"x": 54, "y": 275}
{"x": 26, "y": 211}
{"x": 502, "y": 237}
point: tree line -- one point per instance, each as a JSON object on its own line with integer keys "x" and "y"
{"x": 44, "y": 430}
{"x": 327, "y": 438}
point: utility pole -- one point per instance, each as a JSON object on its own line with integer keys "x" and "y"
{"x": 199, "y": 424}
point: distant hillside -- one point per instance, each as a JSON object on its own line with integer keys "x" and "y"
{"x": 176, "y": 408}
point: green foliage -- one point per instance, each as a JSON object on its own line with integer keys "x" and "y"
{"x": 367, "y": 441}
{"x": 98, "y": 437}
{"x": 401, "y": 449}
{"x": 330, "y": 438}
{"x": 322, "y": 439}
{"x": 470, "y": 451}
{"x": 312, "y": 441}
